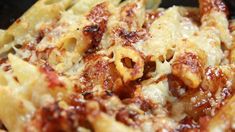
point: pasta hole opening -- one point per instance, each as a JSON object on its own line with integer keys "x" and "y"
{"x": 2, "y": 127}
{"x": 149, "y": 67}
{"x": 169, "y": 55}
{"x": 161, "y": 58}
{"x": 70, "y": 44}
{"x": 10, "y": 51}
{"x": 111, "y": 55}
{"x": 18, "y": 46}
{"x": 50, "y": 2}
{"x": 128, "y": 62}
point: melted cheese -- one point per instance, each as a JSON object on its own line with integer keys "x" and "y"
{"x": 208, "y": 41}
{"x": 60, "y": 42}
{"x": 158, "y": 93}
{"x": 165, "y": 31}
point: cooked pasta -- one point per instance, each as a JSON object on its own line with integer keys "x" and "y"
{"x": 114, "y": 65}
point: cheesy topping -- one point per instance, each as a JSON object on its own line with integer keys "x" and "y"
{"x": 112, "y": 65}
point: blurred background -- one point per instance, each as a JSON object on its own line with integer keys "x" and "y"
{"x": 10, "y": 10}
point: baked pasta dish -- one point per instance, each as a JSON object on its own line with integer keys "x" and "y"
{"x": 118, "y": 66}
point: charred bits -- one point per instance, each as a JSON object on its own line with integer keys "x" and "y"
{"x": 98, "y": 16}
{"x": 207, "y": 5}
{"x": 130, "y": 37}
{"x": 53, "y": 118}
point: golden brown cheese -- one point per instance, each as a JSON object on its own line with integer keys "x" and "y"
{"x": 112, "y": 65}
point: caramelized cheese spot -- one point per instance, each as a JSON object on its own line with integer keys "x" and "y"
{"x": 100, "y": 72}
{"x": 98, "y": 16}
{"x": 128, "y": 13}
{"x": 51, "y": 76}
{"x": 53, "y": 118}
{"x": 207, "y": 5}
{"x": 214, "y": 79}
{"x": 130, "y": 37}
